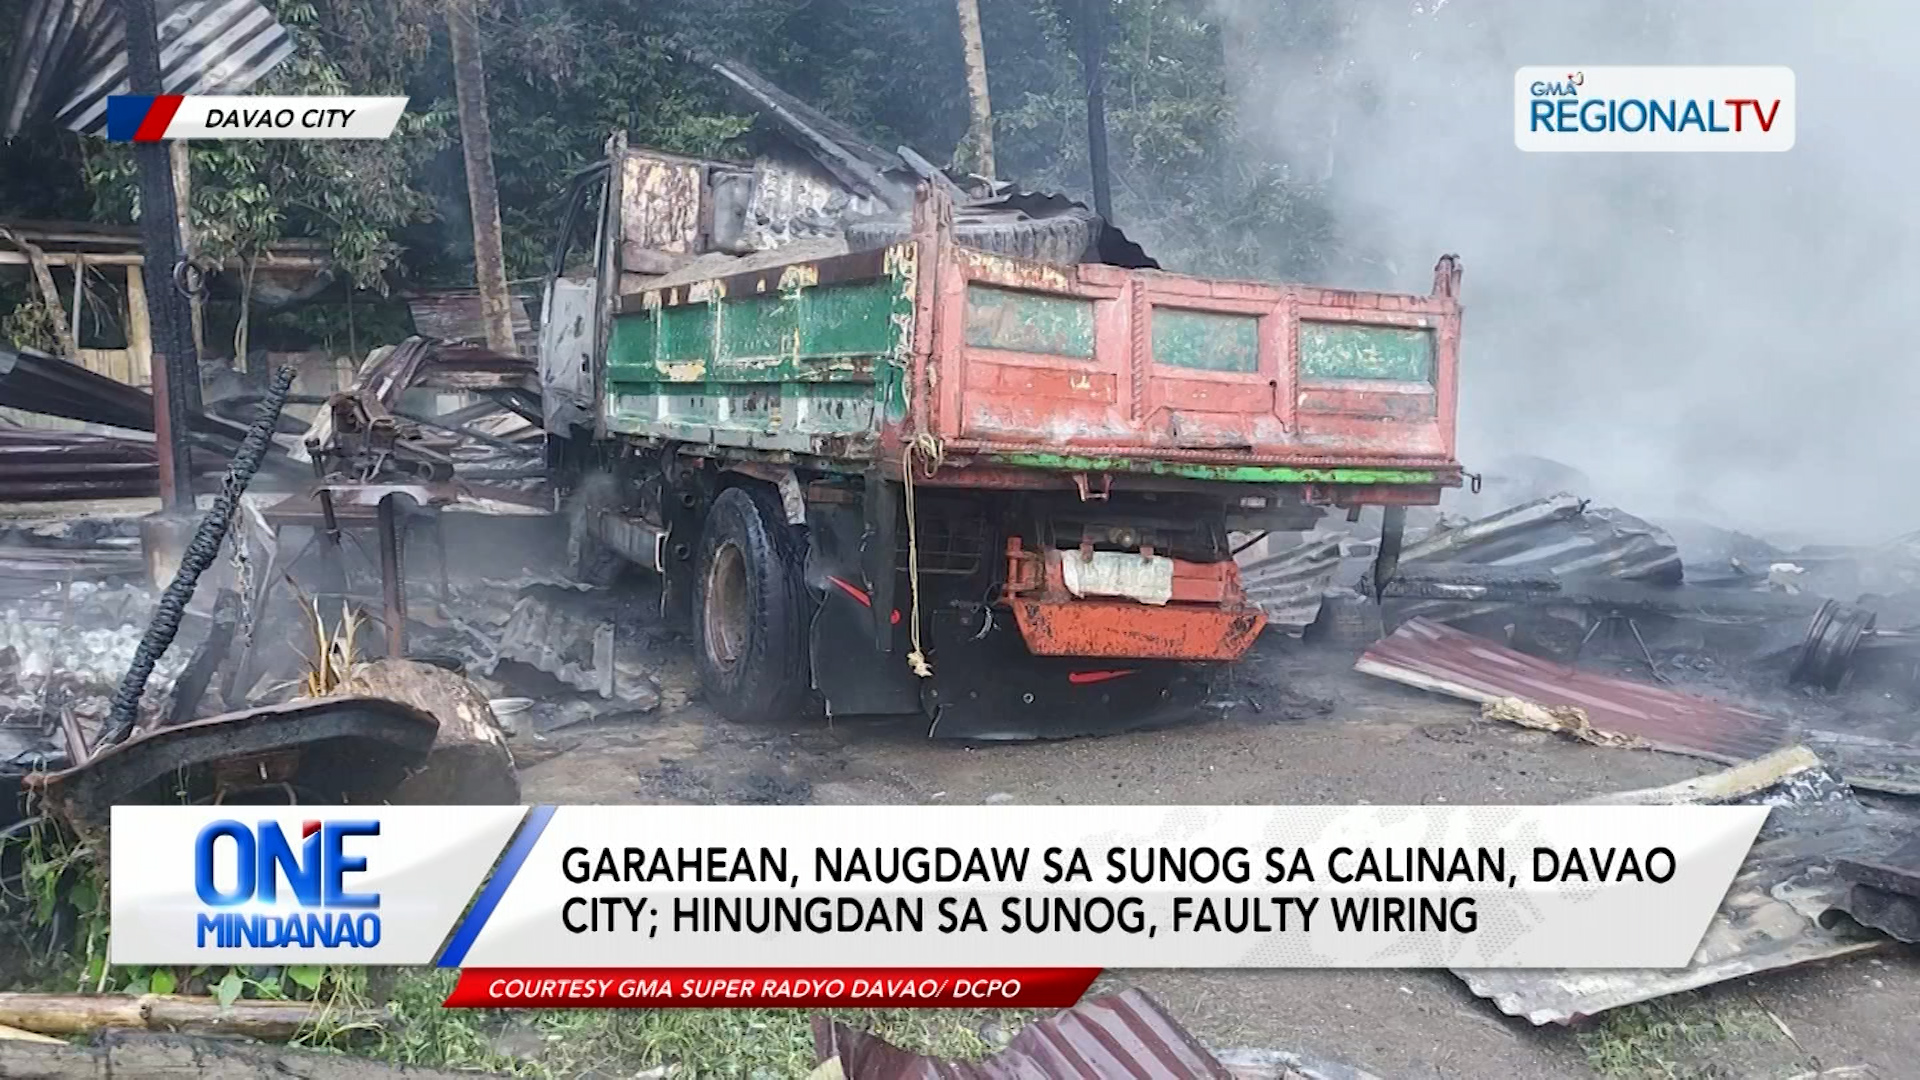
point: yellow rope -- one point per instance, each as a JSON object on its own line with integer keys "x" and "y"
{"x": 929, "y": 448}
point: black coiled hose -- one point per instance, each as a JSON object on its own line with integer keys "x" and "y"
{"x": 200, "y": 555}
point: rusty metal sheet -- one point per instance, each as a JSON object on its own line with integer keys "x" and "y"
{"x": 1098, "y": 398}
{"x": 1777, "y": 909}
{"x": 1125, "y": 1034}
{"x": 454, "y": 315}
{"x": 1288, "y": 586}
{"x": 1431, "y": 656}
{"x": 337, "y": 749}
{"x": 661, "y": 202}
{"x": 47, "y": 466}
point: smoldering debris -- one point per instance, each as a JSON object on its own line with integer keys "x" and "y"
{"x": 70, "y": 645}
{"x": 1777, "y": 910}
{"x": 1550, "y": 575}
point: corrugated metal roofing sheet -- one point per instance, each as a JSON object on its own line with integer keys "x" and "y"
{"x": 454, "y": 315}
{"x": 206, "y": 47}
{"x": 1435, "y": 657}
{"x": 1288, "y": 586}
{"x": 1560, "y": 533}
{"x": 1774, "y": 910}
{"x": 1125, "y": 1034}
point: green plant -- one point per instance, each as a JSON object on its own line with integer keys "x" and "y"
{"x": 32, "y": 323}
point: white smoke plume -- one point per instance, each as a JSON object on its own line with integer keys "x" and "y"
{"x": 1716, "y": 336}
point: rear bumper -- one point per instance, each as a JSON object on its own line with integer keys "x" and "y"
{"x": 1206, "y": 617}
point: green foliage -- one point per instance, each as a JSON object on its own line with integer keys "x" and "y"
{"x": 63, "y": 885}
{"x": 1181, "y": 184}
{"x": 354, "y": 195}
{"x": 32, "y": 323}
{"x": 563, "y": 74}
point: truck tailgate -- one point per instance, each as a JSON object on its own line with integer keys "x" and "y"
{"x": 1095, "y": 361}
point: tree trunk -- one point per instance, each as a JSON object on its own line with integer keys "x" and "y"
{"x": 483, "y": 195}
{"x": 981, "y": 135}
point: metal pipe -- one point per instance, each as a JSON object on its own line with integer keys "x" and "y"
{"x": 1093, "y": 18}
{"x": 393, "y": 590}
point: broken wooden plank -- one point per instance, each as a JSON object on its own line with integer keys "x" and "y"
{"x": 76, "y": 1014}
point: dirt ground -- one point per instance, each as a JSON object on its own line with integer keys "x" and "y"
{"x": 1297, "y": 726}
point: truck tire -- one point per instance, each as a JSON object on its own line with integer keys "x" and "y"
{"x": 750, "y": 610}
{"x": 1066, "y": 238}
{"x": 589, "y": 561}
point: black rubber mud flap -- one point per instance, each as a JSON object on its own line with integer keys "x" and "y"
{"x": 856, "y": 677}
{"x": 988, "y": 687}
{"x": 751, "y": 610}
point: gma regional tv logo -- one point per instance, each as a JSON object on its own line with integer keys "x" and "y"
{"x": 1654, "y": 109}
{"x": 262, "y": 890}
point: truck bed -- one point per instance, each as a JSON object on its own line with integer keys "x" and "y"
{"x": 1025, "y": 367}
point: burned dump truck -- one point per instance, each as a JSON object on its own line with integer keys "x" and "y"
{"x": 967, "y": 457}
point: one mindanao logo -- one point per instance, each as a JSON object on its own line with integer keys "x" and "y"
{"x": 1654, "y": 109}
{"x": 262, "y": 890}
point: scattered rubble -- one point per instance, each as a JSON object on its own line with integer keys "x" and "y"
{"x": 1776, "y": 911}
{"x": 1885, "y": 892}
{"x": 1569, "y": 720}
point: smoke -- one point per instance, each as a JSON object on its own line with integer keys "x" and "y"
{"x": 1715, "y": 336}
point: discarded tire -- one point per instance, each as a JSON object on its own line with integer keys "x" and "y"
{"x": 751, "y": 610}
{"x": 1065, "y": 238}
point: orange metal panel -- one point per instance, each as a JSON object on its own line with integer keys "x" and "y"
{"x": 1120, "y": 401}
{"x": 1122, "y": 629}
{"x": 1208, "y": 617}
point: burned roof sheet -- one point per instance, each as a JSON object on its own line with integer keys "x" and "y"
{"x": 1124, "y": 1034}
{"x": 1288, "y": 586}
{"x": 1775, "y": 912}
{"x": 854, "y": 161}
{"x": 1435, "y": 657}
{"x": 1560, "y": 535}
{"x": 74, "y": 52}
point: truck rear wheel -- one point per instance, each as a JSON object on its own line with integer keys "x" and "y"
{"x": 750, "y": 609}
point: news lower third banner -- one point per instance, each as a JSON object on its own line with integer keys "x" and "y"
{"x": 820, "y": 905}
{"x": 151, "y": 118}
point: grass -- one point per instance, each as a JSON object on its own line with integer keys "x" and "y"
{"x": 560, "y": 1044}
{"x": 1683, "y": 1038}
{"x": 759, "y": 1044}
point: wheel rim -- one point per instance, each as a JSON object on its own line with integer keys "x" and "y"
{"x": 726, "y": 615}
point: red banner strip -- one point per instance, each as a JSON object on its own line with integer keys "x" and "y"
{"x": 154, "y": 127}
{"x": 777, "y": 988}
